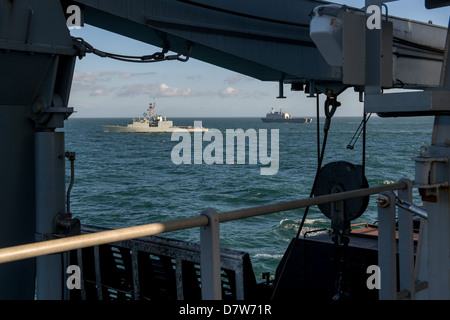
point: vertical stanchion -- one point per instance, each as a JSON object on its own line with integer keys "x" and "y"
{"x": 406, "y": 242}
{"x": 210, "y": 257}
{"x": 50, "y": 203}
{"x": 387, "y": 252}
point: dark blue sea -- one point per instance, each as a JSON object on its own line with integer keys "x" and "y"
{"x": 128, "y": 179}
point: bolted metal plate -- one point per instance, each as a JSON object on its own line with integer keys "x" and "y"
{"x": 342, "y": 176}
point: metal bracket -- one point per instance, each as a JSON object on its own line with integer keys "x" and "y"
{"x": 412, "y": 208}
{"x": 425, "y": 171}
{"x": 42, "y": 113}
{"x": 426, "y": 178}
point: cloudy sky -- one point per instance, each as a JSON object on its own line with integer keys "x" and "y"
{"x": 108, "y": 88}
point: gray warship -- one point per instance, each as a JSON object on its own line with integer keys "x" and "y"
{"x": 150, "y": 124}
{"x": 281, "y": 116}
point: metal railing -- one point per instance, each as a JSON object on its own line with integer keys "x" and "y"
{"x": 209, "y": 221}
{"x": 155, "y": 267}
{"x": 396, "y": 257}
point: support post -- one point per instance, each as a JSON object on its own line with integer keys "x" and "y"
{"x": 50, "y": 203}
{"x": 281, "y": 90}
{"x": 210, "y": 257}
{"x": 373, "y": 54}
{"x": 406, "y": 243}
{"x": 438, "y": 207}
{"x": 387, "y": 251}
{"x": 17, "y": 198}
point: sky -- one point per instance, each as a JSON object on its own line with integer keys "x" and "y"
{"x": 107, "y": 88}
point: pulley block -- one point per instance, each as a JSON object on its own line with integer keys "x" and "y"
{"x": 342, "y": 176}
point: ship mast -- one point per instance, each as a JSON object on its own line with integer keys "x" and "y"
{"x": 151, "y": 107}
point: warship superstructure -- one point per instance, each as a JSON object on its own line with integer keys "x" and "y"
{"x": 151, "y": 124}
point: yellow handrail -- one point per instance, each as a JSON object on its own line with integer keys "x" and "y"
{"x": 93, "y": 239}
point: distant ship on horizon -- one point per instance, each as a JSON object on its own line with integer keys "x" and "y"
{"x": 150, "y": 124}
{"x": 281, "y": 116}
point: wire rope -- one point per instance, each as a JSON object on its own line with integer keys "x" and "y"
{"x": 329, "y": 114}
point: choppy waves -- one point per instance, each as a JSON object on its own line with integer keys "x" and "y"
{"x": 129, "y": 179}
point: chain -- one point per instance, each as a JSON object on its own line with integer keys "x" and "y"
{"x": 83, "y": 47}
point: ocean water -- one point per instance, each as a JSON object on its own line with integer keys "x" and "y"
{"x": 124, "y": 180}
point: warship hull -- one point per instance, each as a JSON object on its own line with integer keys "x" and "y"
{"x": 296, "y": 120}
{"x": 122, "y": 129}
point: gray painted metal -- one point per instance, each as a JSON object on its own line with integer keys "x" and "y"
{"x": 17, "y": 199}
{"x": 36, "y": 64}
{"x": 387, "y": 250}
{"x": 409, "y": 104}
{"x": 396, "y": 250}
{"x": 432, "y": 177}
{"x": 50, "y": 196}
{"x": 266, "y": 40}
{"x": 445, "y": 73}
{"x": 406, "y": 244}
{"x": 431, "y": 4}
{"x": 210, "y": 257}
{"x": 437, "y": 251}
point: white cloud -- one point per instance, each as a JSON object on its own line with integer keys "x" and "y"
{"x": 93, "y": 89}
{"x": 156, "y": 91}
{"x": 237, "y": 78}
{"x": 230, "y": 92}
{"x": 127, "y": 75}
{"x": 99, "y": 92}
{"x": 132, "y": 90}
{"x": 117, "y": 84}
{"x": 93, "y": 76}
{"x": 95, "y": 81}
{"x": 167, "y": 91}
{"x": 101, "y": 76}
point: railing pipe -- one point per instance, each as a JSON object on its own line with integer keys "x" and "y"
{"x": 307, "y": 202}
{"x": 87, "y": 240}
{"x": 93, "y": 239}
